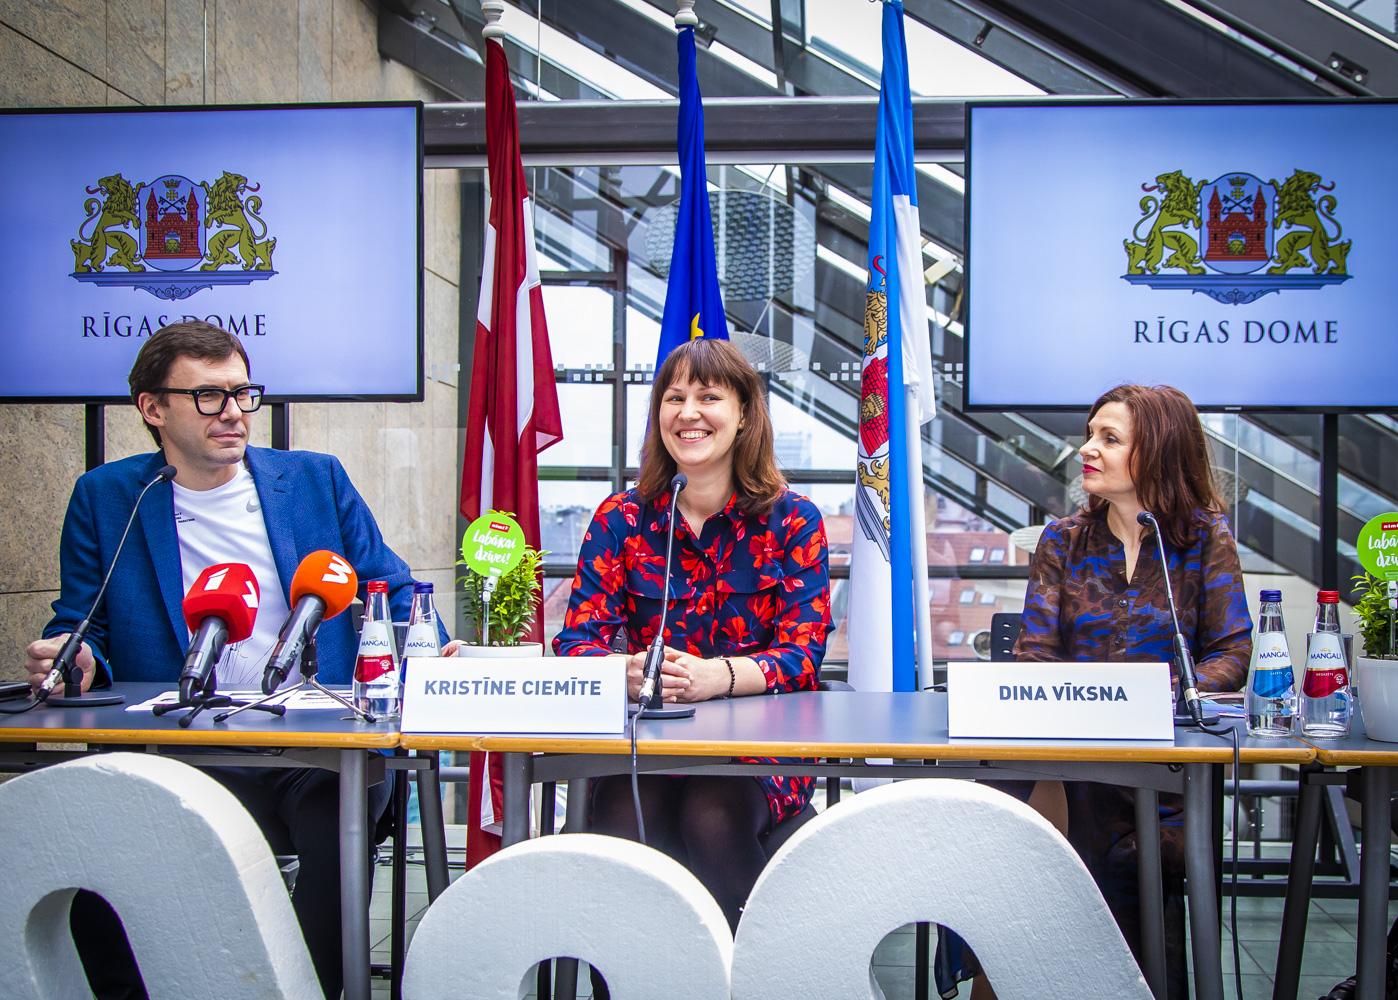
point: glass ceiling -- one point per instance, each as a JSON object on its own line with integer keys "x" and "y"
{"x": 623, "y": 49}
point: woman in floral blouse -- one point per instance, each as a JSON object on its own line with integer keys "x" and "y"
{"x": 1097, "y": 593}
{"x": 749, "y": 604}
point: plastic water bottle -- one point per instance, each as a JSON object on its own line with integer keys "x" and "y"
{"x": 1326, "y": 705}
{"x": 376, "y": 686}
{"x": 1271, "y": 691}
{"x": 422, "y": 638}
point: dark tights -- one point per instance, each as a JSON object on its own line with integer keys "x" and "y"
{"x": 713, "y": 826}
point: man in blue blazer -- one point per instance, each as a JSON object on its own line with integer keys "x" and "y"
{"x": 228, "y": 503}
{"x": 307, "y": 503}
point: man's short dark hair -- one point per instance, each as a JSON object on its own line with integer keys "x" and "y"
{"x": 191, "y": 339}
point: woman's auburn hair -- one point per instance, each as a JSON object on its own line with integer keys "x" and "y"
{"x": 758, "y": 482}
{"x": 1169, "y": 459}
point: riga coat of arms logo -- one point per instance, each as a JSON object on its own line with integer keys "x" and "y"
{"x": 173, "y": 236}
{"x": 872, "y": 495}
{"x": 1238, "y": 237}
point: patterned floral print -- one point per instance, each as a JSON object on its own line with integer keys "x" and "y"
{"x": 745, "y": 586}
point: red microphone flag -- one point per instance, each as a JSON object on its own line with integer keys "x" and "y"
{"x": 227, "y": 591}
{"x": 513, "y": 413}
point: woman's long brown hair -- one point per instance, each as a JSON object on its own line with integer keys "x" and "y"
{"x": 717, "y": 363}
{"x": 1169, "y": 458}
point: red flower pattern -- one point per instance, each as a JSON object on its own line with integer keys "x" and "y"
{"x": 771, "y": 603}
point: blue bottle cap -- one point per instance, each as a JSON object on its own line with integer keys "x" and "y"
{"x": 1268, "y": 596}
{"x": 426, "y": 588}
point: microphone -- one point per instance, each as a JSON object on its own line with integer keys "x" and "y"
{"x": 651, "y": 700}
{"x": 64, "y": 668}
{"x": 1189, "y": 685}
{"x": 219, "y": 609}
{"x": 323, "y": 586}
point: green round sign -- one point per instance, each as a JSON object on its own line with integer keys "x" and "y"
{"x": 493, "y": 544}
{"x": 1378, "y": 546}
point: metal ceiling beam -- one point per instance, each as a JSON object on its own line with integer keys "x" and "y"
{"x": 1157, "y": 49}
{"x": 736, "y": 130}
{"x": 1320, "y": 36}
{"x": 1015, "y": 49}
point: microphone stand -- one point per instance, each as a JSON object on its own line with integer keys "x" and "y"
{"x": 65, "y": 668}
{"x": 197, "y": 699}
{"x": 651, "y": 702}
{"x": 309, "y": 667}
{"x": 1188, "y": 710}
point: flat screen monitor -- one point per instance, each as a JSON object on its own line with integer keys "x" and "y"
{"x": 297, "y": 228}
{"x": 1246, "y": 253}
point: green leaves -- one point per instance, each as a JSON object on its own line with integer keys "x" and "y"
{"x": 513, "y": 605}
{"x": 1376, "y": 623}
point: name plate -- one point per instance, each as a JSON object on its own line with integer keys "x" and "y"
{"x": 536, "y": 694}
{"x": 1079, "y": 701}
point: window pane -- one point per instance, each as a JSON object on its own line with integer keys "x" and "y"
{"x": 637, "y": 402}
{"x": 557, "y": 590}
{"x": 642, "y": 333}
{"x": 802, "y": 439}
{"x": 580, "y": 319}
{"x": 565, "y": 511}
{"x": 586, "y": 409}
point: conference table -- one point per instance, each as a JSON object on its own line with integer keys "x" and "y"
{"x": 847, "y": 733}
{"x": 1375, "y": 759}
{"x": 324, "y": 738}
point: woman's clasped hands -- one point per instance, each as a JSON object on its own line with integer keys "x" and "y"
{"x": 684, "y": 677}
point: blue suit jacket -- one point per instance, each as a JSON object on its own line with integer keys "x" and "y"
{"x": 139, "y": 633}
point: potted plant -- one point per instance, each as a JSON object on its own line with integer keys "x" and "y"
{"x": 512, "y": 598}
{"x": 1376, "y": 668}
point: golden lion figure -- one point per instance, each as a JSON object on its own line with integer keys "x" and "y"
{"x": 1180, "y": 205}
{"x": 1298, "y": 209}
{"x": 874, "y": 474}
{"x": 227, "y": 208}
{"x": 116, "y": 209}
{"x": 875, "y": 322}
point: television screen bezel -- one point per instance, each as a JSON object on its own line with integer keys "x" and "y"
{"x": 419, "y": 392}
{"x": 968, "y": 405}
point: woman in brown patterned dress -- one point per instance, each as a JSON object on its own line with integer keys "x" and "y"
{"x": 1097, "y": 593}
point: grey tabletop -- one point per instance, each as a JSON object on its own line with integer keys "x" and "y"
{"x": 856, "y": 724}
{"x": 1355, "y": 749}
{"x": 324, "y": 728}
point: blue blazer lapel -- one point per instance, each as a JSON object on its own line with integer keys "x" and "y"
{"x": 158, "y": 524}
{"x": 274, "y": 493}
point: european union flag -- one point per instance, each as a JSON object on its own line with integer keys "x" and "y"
{"x": 693, "y": 306}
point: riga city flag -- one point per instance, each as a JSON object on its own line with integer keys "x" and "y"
{"x": 693, "y": 306}
{"x": 890, "y": 641}
{"x": 513, "y": 411}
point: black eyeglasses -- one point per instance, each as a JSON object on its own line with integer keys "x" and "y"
{"x": 211, "y": 402}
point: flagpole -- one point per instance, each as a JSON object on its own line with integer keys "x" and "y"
{"x": 493, "y": 10}
{"x": 685, "y": 16}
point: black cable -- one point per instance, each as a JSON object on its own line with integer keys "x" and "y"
{"x": 635, "y": 782}
{"x": 1231, "y": 734}
{"x": 19, "y": 709}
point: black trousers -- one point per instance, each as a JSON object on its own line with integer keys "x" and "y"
{"x": 298, "y": 811}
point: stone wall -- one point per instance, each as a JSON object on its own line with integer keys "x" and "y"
{"x": 401, "y": 456}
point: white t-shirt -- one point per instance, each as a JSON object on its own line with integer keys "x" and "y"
{"x": 222, "y": 525}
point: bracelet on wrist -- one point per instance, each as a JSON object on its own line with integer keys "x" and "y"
{"x": 732, "y": 676}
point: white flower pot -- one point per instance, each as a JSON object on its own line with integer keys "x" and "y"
{"x": 1378, "y": 706}
{"x": 524, "y": 649}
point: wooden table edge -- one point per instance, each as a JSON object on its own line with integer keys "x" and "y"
{"x": 901, "y": 751}
{"x": 203, "y": 737}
